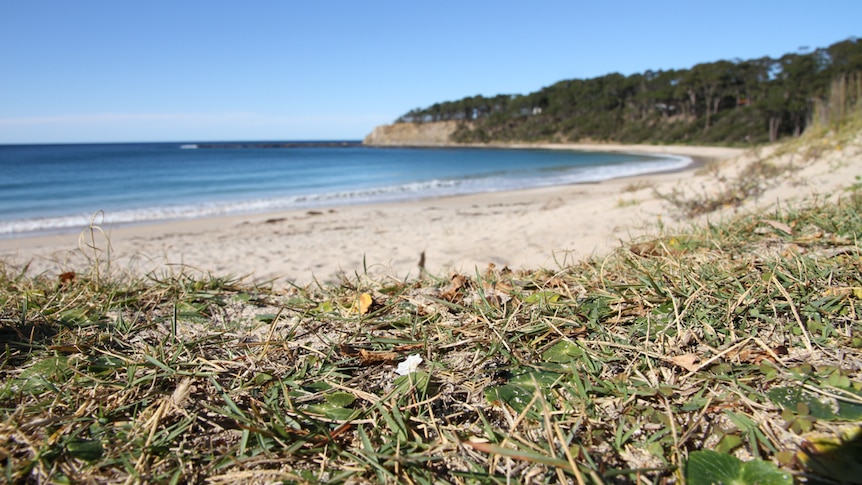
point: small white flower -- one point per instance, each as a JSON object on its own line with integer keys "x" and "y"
{"x": 409, "y": 365}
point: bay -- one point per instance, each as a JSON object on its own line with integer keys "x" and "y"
{"x": 57, "y": 188}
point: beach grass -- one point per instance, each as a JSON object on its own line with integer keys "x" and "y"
{"x": 742, "y": 337}
{"x": 769, "y": 167}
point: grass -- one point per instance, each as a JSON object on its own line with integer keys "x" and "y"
{"x": 770, "y": 165}
{"x": 729, "y": 191}
{"x": 611, "y": 370}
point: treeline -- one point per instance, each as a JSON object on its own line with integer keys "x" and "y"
{"x": 733, "y": 102}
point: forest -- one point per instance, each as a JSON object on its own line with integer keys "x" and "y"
{"x": 733, "y": 102}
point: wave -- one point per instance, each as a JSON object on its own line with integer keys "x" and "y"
{"x": 392, "y": 193}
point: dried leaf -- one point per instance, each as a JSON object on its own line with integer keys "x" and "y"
{"x": 363, "y": 303}
{"x": 779, "y": 226}
{"x": 69, "y": 348}
{"x": 504, "y": 287}
{"x": 686, "y": 361}
{"x": 367, "y": 357}
{"x": 792, "y": 250}
{"x": 524, "y": 455}
{"x": 407, "y": 347}
{"x": 743, "y": 355}
{"x": 67, "y": 278}
{"x": 645, "y": 249}
{"x": 755, "y": 356}
{"x": 347, "y": 350}
{"x": 182, "y": 392}
{"x": 489, "y": 271}
{"x": 556, "y": 282}
{"x": 451, "y": 293}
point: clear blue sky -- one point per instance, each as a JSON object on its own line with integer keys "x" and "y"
{"x": 189, "y": 70}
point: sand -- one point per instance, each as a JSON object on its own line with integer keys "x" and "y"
{"x": 528, "y": 229}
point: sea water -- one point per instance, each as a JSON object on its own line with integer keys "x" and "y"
{"x": 57, "y": 188}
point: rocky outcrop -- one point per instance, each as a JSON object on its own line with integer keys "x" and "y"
{"x": 412, "y": 134}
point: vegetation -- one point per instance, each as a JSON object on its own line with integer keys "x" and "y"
{"x": 730, "y": 102}
{"x": 743, "y": 338}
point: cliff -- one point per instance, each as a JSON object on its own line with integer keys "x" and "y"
{"x": 412, "y": 134}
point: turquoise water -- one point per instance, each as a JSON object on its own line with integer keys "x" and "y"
{"x": 55, "y": 188}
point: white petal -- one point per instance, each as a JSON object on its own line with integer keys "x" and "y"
{"x": 409, "y": 365}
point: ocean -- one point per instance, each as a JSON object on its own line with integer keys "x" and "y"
{"x": 60, "y": 188}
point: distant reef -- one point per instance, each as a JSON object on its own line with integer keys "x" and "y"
{"x": 290, "y": 144}
{"x": 412, "y": 134}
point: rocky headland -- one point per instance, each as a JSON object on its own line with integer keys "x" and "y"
{"x": 412, "y": 134}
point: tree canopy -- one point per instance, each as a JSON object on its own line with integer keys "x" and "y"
{"x": 727, "y": 101}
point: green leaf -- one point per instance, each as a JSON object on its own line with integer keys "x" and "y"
{"x": 342, "y": 399}
{"x": 521, "y": 388}
{"x": 74, "y": 316}
{"x": 820, "y": 407}
{"x": 266, "y": 317}
{"x": 768, "y": 370}
{"x": 516, "y": 397}
{"x": 562, "y": 352}
{"x": 530, "y": 378}
{"x": 41, "y": 375}
{"x": 262, "y": 378}
{"x": 708, "y": 467}
{"x": 326, "y": 307}
{"x": 542, "y": 297}
{"x": 89, "y": 450}
{"x": 330, "y": 410}
{"x": 418, "y": 379}
{"x": 836, "y": 379}
{"x": 728, "y": 443}
{"x": 105, "y": 364}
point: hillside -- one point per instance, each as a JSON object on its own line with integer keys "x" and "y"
{"x": 732, "y": 102}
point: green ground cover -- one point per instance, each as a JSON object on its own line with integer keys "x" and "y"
{"x": 729, "y": 352}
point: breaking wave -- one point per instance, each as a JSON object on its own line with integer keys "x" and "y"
{"x": 502, "y": 181}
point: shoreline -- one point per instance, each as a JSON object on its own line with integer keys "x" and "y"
{"x": 697, "y": 157}
{"x": 696, "y": 163}
{"x": 544, "y": 227}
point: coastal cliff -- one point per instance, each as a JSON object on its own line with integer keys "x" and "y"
{"x": 412, "y": 134}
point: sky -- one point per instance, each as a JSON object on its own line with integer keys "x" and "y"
{"x": 222, "y": 70}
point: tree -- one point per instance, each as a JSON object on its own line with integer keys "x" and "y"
{"x": 713, "y": 101}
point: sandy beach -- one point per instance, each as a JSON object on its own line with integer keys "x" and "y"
{"x": 529, "y": 229}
